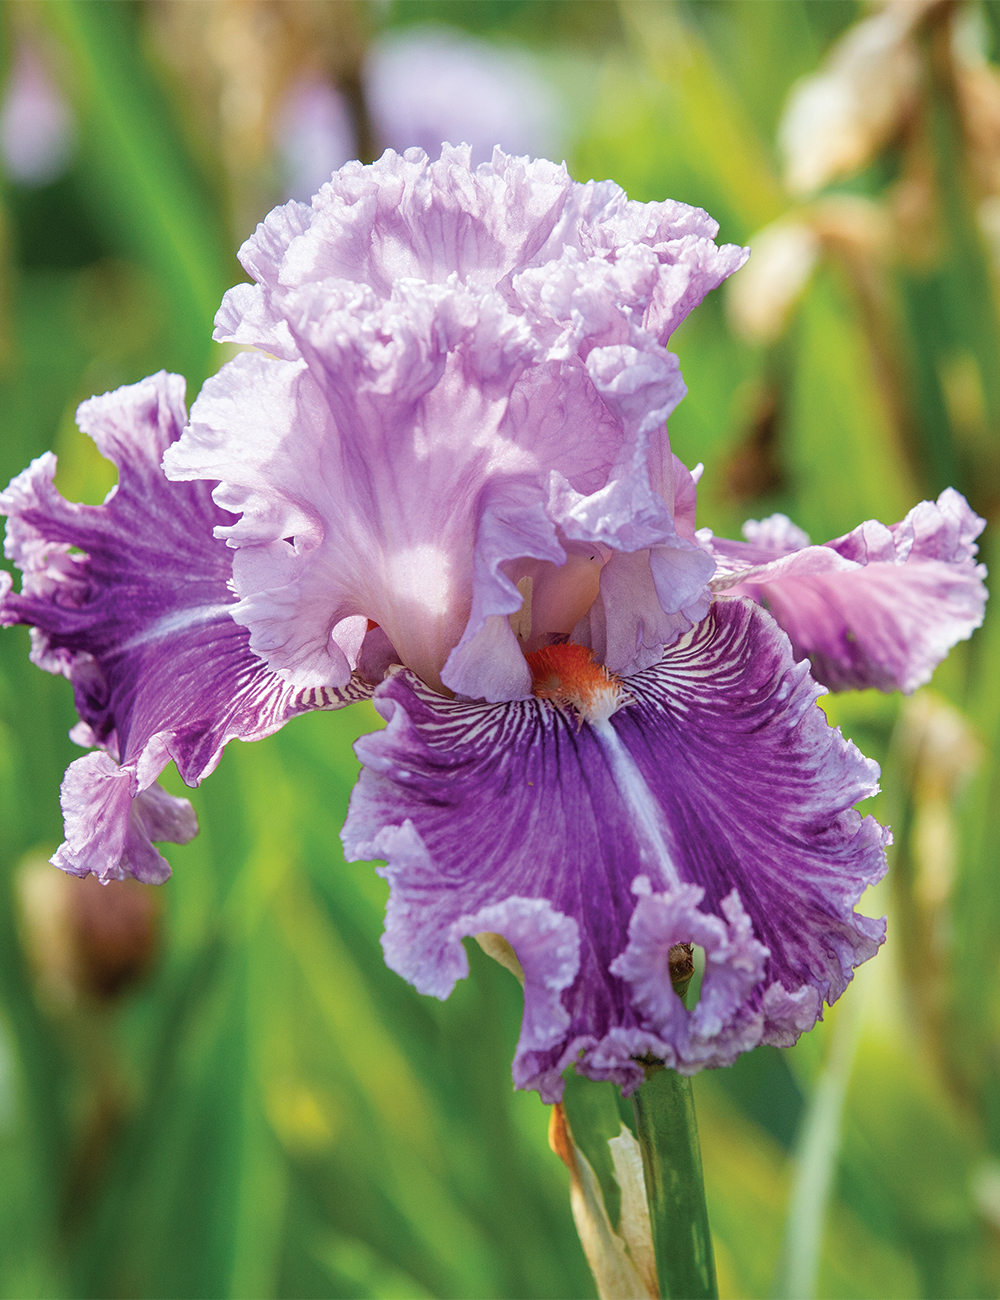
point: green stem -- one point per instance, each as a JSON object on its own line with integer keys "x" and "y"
{"x": 671, "y": 1161}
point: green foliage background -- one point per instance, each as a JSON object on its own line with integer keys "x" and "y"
{"x": 274, "y": 1113}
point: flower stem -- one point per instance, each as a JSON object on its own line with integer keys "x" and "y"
{"x": 671, "y": 1159}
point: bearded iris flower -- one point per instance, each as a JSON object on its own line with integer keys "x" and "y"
{"x": 443, "y": 479}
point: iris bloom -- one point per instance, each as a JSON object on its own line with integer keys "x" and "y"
{"x": 444, "y": 478}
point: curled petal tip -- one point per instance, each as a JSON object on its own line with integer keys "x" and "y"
{"x": 879, "y": 607}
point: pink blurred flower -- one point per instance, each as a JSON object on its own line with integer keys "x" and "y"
{"x": 314, "y": 136}
{"x": 430, "y": 86}
{"x": 37, "y": 130}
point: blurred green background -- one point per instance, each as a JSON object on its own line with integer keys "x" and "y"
{"x": 217, "y": 1088}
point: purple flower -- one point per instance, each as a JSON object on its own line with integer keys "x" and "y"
{"x": 314, "y": 135}
{"x": 428, "y": 85}
{"x": 451, "y": 476}
{"x": 37, "y": 129}
{"x": 131, "y": 601}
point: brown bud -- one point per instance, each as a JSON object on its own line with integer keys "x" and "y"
{"x": 85, "y": 939}
{"x": 761, "y": 296}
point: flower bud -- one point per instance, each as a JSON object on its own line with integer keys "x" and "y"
{"x": 681, "y": 958}
{"x": 618, "y": 1273}
{"x": 85, "y": 940}
{"x": 761, "y": 297}
{"x": 837, "y": 119}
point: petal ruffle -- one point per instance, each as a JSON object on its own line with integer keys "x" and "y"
{"x": 405, "y": 217}
{"x": 108, "y": 820}
{"x": 716, "y": 807}
{"x": 131, "y": 601}
{"x": 727, "y": 1019}
{"x": 879, "y": 607}
{"x": 472, "y": 381}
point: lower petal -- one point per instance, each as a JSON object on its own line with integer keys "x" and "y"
{"x": 593, "y": 848}
{"x": 131, "y": 601}
{"x": 727, "y": 1019}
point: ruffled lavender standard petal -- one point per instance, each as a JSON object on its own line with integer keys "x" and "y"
{"x": 131, "y": 601}
{"x": 405, "y": 217}
{"x": 471, "y": 384}
{"x": 879, "y": 607}
{"x": 716, "y": 807}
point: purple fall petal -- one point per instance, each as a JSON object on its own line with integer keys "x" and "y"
{"x": 131, "y": 601}
{"x": 715, "y": 807}
{"x": 467, "y": 389}
{"x": 879, "y": 607}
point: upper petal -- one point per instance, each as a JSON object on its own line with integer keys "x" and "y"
{"x": 407, "y": 217}
{"x": 715, "y": 808}
{"x": 471, "y": 373}
{"x": 878, "y": 607}
{"x": 131, "y": 601}
{"x": 420, "y": 449}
